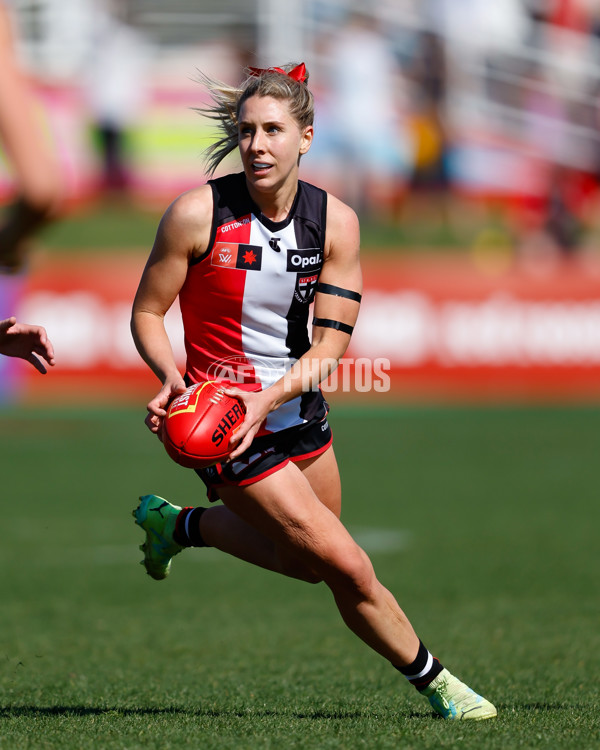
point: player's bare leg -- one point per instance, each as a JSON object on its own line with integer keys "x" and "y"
{"x": 284, "y": 508}
{"x": 366, "y": 606}
{"x": 220, "y": 527}
{"x": 299, "y": 536}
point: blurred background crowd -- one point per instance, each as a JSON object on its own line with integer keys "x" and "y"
{"x": 440, "y": 108}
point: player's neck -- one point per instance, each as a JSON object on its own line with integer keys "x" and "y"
{"x": 275, "y": 205}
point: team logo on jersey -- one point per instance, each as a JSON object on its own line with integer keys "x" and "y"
{"x": 308, "y": 260}
{"x": 236, "y": 255}
{"x": 305, "y": 287}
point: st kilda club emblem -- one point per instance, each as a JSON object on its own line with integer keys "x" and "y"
{"x": 305, "y": 287}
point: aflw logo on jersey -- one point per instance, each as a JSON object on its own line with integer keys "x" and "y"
{"x": 236, "y": 255}
{"x": 309, "y": 260}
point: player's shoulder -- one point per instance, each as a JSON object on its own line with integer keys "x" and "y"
{"x": 186, "y": 224}
{"x": 342, "y": 221}
{"x": 338, "y": 211}
{"x": 192, "y": 206}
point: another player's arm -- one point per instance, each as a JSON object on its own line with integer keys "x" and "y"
{"x": 337, "y": 303}
{"x": 29, "y": 342}
{"x": 182, "y": 233}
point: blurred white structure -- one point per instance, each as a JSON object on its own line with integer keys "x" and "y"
{"x": 513, "y": 82}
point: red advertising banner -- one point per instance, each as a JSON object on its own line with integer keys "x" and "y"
{"x": 436, "y": 327}
{"x": 452, "y": 328}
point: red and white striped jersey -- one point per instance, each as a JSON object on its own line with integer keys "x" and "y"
{"x": 245, "y": 302}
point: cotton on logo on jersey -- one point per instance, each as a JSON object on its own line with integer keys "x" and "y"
{"x": 234, "y": 224}
{"x": 236, "y": 255}
{"x": 309, "y": 260}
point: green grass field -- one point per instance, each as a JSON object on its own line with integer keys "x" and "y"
{"x": 484, "y": 523}
{"x": 112, "y": 225}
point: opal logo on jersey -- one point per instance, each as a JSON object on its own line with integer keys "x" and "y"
{"x": 308, "y": 260}
{"x": 236, "y": 255}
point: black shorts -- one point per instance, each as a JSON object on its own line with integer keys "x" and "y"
{"x": 268, "y": 454}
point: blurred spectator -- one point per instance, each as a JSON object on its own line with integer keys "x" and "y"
{"x": 558, "y": 103}
{"x": 115, "y": 87}
{"x": 370, "y": 135}
{"x": 429, "y": 180}
{"x": 571, "y": 14}
{"x": 428, "y": 74}
{"x": 477, "y": 28}
{"x": 29, "y": 153}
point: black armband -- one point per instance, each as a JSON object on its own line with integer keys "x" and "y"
{"x": 327, "y": 323}
{"x": 337, "y": 291}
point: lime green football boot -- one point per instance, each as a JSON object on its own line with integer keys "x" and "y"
{"x": 157, "y": 517}
{"x": 454, "y": 700}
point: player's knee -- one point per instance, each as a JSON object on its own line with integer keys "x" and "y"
{"x": 353, "y": 571}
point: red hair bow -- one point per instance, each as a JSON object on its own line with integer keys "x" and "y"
{"x": 297, "y": 74}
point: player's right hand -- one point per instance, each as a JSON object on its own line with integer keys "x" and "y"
{"x": 157, "y": 408}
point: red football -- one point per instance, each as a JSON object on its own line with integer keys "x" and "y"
{"x": 199, "y": 425}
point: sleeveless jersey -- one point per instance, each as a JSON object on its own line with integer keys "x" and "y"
{"x": 245, "y": 302}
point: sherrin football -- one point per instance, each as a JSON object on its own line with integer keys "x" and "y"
{"x": 199, "y": 425}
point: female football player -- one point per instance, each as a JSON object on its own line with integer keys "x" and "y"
{"x": 247, "y": 253}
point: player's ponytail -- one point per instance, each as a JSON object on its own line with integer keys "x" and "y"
{"x": 287, "y": 82}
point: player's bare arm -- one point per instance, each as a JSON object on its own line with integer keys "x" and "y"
{"x": 183, "y": 233}
{"x": 337, "y": 303}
